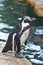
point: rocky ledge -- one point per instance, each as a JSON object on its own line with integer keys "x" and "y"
{"x": 6, "y": 59}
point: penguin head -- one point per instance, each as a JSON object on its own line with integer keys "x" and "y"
{"x": 27, "y": 21}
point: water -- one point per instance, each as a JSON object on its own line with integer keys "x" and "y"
{"x": 10, "y": 14}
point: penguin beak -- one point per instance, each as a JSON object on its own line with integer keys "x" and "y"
{"x": 33, "y": 19}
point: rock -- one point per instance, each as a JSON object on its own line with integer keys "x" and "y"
{"x": 12, "y": 60}
{"x": 8, "y": 59}
{"x": 37, "y": 5}
{"x": 38, "y": 9}
{"x": 31, "y": 2}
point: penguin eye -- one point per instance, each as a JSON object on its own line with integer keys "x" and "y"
{"x": 26, "y": 21}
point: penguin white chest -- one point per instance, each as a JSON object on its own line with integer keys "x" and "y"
{"x": 24, "y": 36}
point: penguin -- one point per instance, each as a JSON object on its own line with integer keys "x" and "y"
{"x": 19, "y": 35}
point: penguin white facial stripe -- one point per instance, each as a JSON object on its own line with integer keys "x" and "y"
{"x": 29, "y": 18}
{"x": 24, "y": 25}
